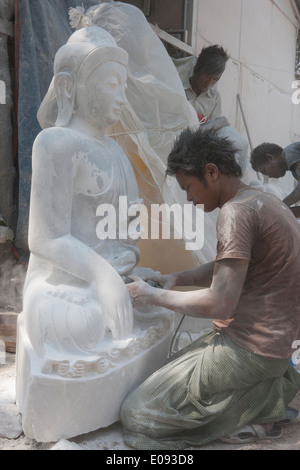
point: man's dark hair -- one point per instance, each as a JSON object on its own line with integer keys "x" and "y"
{"x": 211, "y": 61}
{"x": 259, "y": 154}
{"x": 194, "y": 149}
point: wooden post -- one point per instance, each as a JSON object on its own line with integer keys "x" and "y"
{"x": 8, "y": 330}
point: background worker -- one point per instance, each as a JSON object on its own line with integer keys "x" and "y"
{"x": 199, "y": 78}
{"x": 236, "y": 382}
{"x": 273, "y": 161}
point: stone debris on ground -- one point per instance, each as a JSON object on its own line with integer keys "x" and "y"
{"x": 12, "y": 437}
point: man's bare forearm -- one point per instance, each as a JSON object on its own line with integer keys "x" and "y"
{"x": 200, "y": 277}
{"x": 296, "y": 211}
{"x": 293, "y": 197}
{"x": 203, "y": 303}
{"x": 219, "y": 300}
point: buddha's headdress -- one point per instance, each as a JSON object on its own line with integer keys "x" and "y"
{"x": 85, "y": 50}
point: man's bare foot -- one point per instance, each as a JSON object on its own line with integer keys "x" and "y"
{"x": 267, "y": 427}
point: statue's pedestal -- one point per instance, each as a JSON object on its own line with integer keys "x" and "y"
{"x": 68, "y": 398}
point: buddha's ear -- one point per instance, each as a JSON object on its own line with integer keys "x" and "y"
{"x": 65, "y": 95}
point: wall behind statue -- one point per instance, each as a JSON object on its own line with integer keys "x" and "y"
{"x": 43, "y": 26}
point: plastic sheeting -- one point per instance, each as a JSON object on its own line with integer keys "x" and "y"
{"x": 157, "y": 109}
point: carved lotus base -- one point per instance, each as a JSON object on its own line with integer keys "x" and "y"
{"x": 66, "y": 398}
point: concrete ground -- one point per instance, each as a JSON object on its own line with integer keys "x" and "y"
{"x": 110, "y": 439}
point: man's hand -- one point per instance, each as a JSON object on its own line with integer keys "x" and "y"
{"x": 140, "y": 291}
{"x": 166, "y": 281}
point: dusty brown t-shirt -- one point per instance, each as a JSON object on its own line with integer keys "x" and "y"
{"x": 258, "y": 227}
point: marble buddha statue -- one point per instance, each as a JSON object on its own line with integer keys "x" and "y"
{"x": 78, "y": 327}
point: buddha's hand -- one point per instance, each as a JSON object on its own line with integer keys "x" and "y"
{"x": 117, "y": 307}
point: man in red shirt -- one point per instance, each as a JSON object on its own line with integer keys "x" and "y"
{"x": 235, "y": 383}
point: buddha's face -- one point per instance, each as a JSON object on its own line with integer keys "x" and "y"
{"x": 100, "y": 100}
